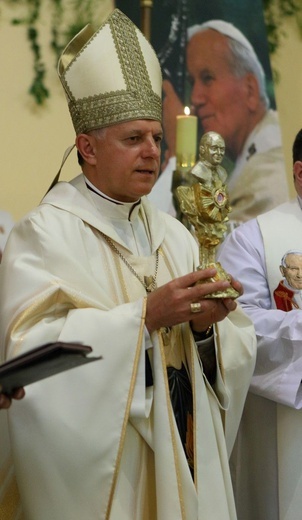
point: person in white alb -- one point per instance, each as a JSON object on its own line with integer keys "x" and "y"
{"x": 265, "y": 254}
{"x": 144, "y": 433}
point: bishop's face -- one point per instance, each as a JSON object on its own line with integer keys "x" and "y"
{"x": 127, "y": 159}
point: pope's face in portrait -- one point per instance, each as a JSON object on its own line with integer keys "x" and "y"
{"x": 222, "y": 100}
{"x": 293, "y": 270}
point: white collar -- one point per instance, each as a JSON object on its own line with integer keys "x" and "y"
{"x": 114, "y": 209}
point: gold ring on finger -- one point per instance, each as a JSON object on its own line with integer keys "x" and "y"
{"x": 195, "y": 307}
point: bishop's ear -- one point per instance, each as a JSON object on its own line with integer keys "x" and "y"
{"x": 86, "y": 146}
{"x": 297, "y": 170}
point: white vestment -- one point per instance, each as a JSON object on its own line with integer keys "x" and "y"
{"x": 94, "y": 443}
{"x": 267, "y": 458}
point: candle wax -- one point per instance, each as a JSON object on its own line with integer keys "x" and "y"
{"x": 186, "y": 140}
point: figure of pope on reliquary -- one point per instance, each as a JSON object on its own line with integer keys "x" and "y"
{"x": 205, "y": 203}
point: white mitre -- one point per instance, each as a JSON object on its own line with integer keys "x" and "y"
{"x": 111, "y": 76}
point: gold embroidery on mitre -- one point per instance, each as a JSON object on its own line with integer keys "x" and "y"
{"x": 136, "y": 69}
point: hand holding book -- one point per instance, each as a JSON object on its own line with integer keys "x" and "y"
{"x": 42, "y": 362}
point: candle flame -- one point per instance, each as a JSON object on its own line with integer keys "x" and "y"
{"x": 187, "y": 111}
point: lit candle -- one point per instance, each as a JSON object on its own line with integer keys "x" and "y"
{"x": 186, "y": 139}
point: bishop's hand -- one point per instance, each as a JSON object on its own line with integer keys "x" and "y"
{"x": 182, "y": 300}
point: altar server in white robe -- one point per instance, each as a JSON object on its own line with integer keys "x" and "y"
{"x": 265, "y": 254}
{"x": 145, "y": 432}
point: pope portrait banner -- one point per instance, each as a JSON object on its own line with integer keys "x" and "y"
{"x": 254, "y": 158}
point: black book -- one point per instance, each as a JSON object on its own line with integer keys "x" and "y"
{"x": 41, "y": 362}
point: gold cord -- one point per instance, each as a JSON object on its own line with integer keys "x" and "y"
{"x": 149, "y": 282}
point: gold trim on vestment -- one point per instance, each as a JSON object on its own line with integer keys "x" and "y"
{"x": 190, "y": 370}
{"x": 219, "y": 354}
{"x": 127, "y": 409}
{"x": 10, "y": 503}
{"x": 221, "y": 368}
{"x": 4, "y": 470}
